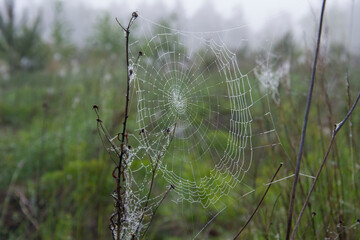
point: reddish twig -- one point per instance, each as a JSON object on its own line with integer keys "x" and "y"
{"x": 262, "y": 199}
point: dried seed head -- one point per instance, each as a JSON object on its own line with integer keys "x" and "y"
{"x": 140, "y": 53}
{"x": 135, "y": 15}
{"x": 95, "y": 106}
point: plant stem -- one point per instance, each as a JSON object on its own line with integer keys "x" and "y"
{"x": 337, "y": 128}
{"x": 9, "y": 191}
{"x": 351, "y": 141}
{"x": 257, "y": 207}
{"x": 120, "y": 178}
{"x": 120, "y": 167}
{"x": 308, "y": 104}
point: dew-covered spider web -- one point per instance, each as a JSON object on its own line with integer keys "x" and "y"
{"x": 200, "y": 119}
{"x": 201, "y": 94}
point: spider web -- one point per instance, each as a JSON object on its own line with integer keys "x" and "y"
{"x": 200, "y": 94}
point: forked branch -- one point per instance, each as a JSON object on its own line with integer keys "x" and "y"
{"x": 119, "y": 219}
{"x": 336, "y": 129}
{"x": 120, "y": 168}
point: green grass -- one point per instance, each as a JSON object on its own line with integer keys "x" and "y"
{"x": 47, "y": 122}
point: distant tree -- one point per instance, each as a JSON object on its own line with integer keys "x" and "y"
{"x": 21, "y": 45}
{"x": 106, "y": 37}
{"x": 61, "y": 32}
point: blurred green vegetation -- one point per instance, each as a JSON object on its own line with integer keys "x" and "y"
{"x": 55, "y": 176}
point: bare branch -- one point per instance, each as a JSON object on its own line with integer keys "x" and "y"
{"x": 120, "y": 24}
{"x": 303, "y": 134}
{"x": 261, "y": 200}
{"x": 337, "y": 128}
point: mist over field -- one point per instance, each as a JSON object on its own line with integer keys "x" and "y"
{"x": 80, "y": 16}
